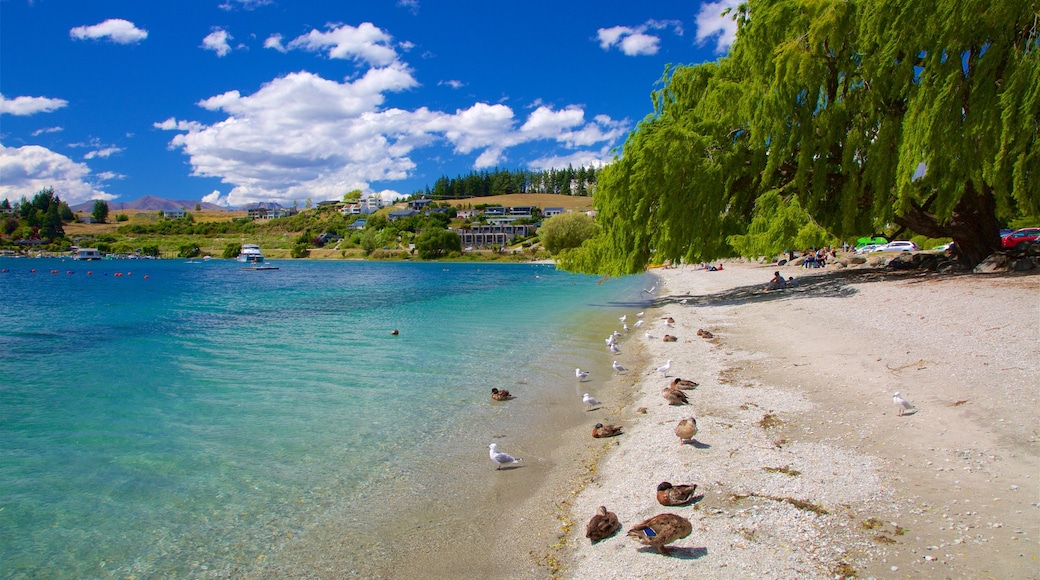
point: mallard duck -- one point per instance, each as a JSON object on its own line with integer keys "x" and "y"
{"x": 601, "y": 430}
{"x": 704, "y": 334}
{"x": 684, "y": 384}
{"x": 602, "y": 525}
{"x": 686, "y": 430}
{"x": 500, "y": 394}
{"x": 674, "y": 396}
{"x": 668, "y": 494}
{"x": 669, "y": 338}
{"x": 661, "y": 530}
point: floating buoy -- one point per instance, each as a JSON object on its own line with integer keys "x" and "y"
{"x": 54, "y": 271}
{"x": 146, "y": 276}
{"x": 89, "y": 273}
{"x": 69, "y": 272}
{"x": 33, "y": 271}
{"x": 4, "y": 270}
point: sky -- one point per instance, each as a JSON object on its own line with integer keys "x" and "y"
{"x": 241, "y": 101}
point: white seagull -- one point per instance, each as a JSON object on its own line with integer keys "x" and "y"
{"x": 683, "y": 301}
{"x": 623, "y": 317}
{"x": 902, "y": 403}
{"x": 580, "y": 374}
{"x": 650, "y": 336}
{"x": 610, "y": 340}
{"x": 588, "y": 400}
{"x": 614, "y": 348}
{"x": 501, "y": 458}
{"x": 625, "y": 327}
{"x": 618, "y": 368}
{"x": 617, "y": 334}
{"x": 663, "y": 369}
{"x": 650, "y": 290}
{"x": 639, "y": 323}
{"x": 639, "y": 314}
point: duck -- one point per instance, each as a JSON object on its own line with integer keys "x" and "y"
{"x": 674, "y": 396}
{"x": 684, "y": 384}
{"x": 704, "y": 334}
{"x": 602, "y": 525}
{"x": 661, "y": 530}
{"x": 670, "y": 338}
{"x": 600, "y": 430}
{"x": 500, "y": 394}
{"x": 394, "y": 332}
{"x": 686, "y": 430}
{"x": 673, "y": 495}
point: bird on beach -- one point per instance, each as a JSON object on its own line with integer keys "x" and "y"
{"x": 623, "y": 317}
{"x": 669, "y": 321}
{"x": 661, "y": 530}
{"x": 613, "y": 348}
{"x": 683, "y": 301}
{"x": 617, "y": 334}
{"x": 602, "y": 525}
{"x": 589, "y": 401}
{"x": 639, "y": 323}
{"x": 650, "y": 290}
{"x": 625, "y": 327}
{"x": 618, "y": 368}
{"x": 684, "y": 384}
{"x": 670, "y": 338}
{"x": 501, "y": 458}
{"x": 674, "y": 396}
{"x": 663, "y": 369}
{"x": 500, "y": 394}
{"x": 674, "y": 495}
{"x": 600, "y": 430}
{"x": 640, "y": 314}
{"x": 580, "y": 374}
{"x": 903, "y": 404}
{"x": 686, "y": 430}
{"x": 650, "y": 336}
{"x": 611, "y": 340}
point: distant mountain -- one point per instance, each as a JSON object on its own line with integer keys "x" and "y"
{"x": 152, "y": 203}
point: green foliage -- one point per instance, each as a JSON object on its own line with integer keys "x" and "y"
{"x": 299, "y": 250}
{"x": 352, "y": 196}
{"x": 568, "y": 181}
{"x": 838, "y": 105}
{"x": 64, "y": 212}
{"x": 100, "y": 211}
{"x": 122, "y": 217}
{"x": 567, "y": 230}
{"x": 188, "y": 251}
{"x": 435, "y": 242}
{"x": 232, "y": 250}
{"x": 778, "y": 225}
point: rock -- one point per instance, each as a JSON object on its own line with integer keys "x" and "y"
{"x": 996, "y": 262}
{"x": 856, "y": 259}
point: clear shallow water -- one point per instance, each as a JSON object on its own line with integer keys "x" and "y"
{"x": 200, "y": 416}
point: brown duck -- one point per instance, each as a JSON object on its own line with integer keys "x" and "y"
{"x": 661, "y": 530}
{"x": 500, "y": 394}
{"x": 686, "y": 430}
{"x": 601, "y": 430}
{"x": 674, "y": 396}
{"x": 672, "y": 495}
{"x": 669, "y": 338}
{"x": 684, "y": 384}
{"x": 602, "y": 525}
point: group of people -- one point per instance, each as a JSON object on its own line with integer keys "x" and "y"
{"x": 778, "y": 282}
{"x": 817, "y": 258}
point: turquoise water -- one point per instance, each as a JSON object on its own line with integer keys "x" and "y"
{"x": 185, "y": 413}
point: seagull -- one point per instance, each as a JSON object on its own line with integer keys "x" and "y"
{"x": 904, "y": 405}
{"x": 650, "y": 336}
{"x": 639, "y": 323}
{"x": 625, "y": 327}
{"x": 623, "y": 317}
{"x": 618, "y": 368}
{"x": 617, "y": 334}
{"x": 588, "y": 400}
{"x": 650, "y": 290}
{"x": 663, "y": 369}
{"x": 501, "y": 458}
{"x": 610, "y": 340}
{"x": 614, "y": 348}
{"x": 639, "y": 314}
{"x": 580, "y": 374}
{"x": 683, "y": 301}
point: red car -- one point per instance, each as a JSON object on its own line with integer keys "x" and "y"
{"x": 1019, "y": 239}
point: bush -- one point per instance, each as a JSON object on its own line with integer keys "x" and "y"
{"x": 231, "y": 250}
{"x": 299, "y": 251}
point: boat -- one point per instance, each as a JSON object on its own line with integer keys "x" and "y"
{"x": 250, "y": 254}
{"x": 87, "y": 254}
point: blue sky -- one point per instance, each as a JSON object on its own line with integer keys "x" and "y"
{"x": 237, "y": 101}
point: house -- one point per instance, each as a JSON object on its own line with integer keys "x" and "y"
{"x": 359, "y": 224}
{"x": 399, "y": 214}
{"x": 351, "y": 209}
{"x": 372, "y": 204}
{"x": 520, "y": 211}
{"x": 174, "y": 214}
{"x": 493, "y": 234}
{"x": 552, "y": 211}
{"x": 466, "y": 214}
{"x": 259, "y": 213}
{"x": 419, "y": 204}
{"x": 494, "y": 210}
{"x": 327, "y": 203}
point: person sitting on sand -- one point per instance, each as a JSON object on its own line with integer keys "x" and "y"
{"x": 791, "y": 282}
{"x": 777, "y": 283}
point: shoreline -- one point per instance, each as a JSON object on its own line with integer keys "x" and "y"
{"x": 803, "y": 466}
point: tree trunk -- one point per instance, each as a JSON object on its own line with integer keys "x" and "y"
{"x": 973, "y": 226}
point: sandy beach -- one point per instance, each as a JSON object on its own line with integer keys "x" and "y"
{"x": 804, "y": 467}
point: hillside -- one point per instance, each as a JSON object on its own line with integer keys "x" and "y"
{"x": 542, "y": 200}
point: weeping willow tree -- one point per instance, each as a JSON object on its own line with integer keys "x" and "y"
{"x": 871, "y": 114}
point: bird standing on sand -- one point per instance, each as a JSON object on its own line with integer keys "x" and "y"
{"x": 580, "y": 374}
{"x": 623, "y": 317}
{"x": 902, "y": 403}
{"x": 674, "y": 396}
{"x": 650, "y": 336}
{"x": 660, "y": 530}
{"x": 602, "y": 525}
{"x": 613, "y": 348}
{"x": 639, "y": 323}
{"x": 640, "y": 314}
{"x": 589, "y": 401}
{"x": 625, "y": 327}
{"x": 663, "y": 369}
{"x": 501, "y": 458}
{"x": 686, "y": 430}
{"x": 618, "y": 368}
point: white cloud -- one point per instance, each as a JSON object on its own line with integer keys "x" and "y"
{"x": 21, "y": 106}
{"x": 217, "y": 41}
{"x": 215, "y": 197}
{"x": 577, "y": 159}
{"x": 303, "y": 136}
{"x": 115, "y": 29}
{"x": 29, "y": 169}
{"x": 451, "y": 83}
{"x": 104, "y": 153}
{"x": 39, "y": 132}
{"x": 364, "y": 43}
{"x": 275, "y": 41}
{"x": 411, "y": 5}
{"x": 634, "y": 41}
{"x": 711, "y": 23}
{"x": 229, "y": 5}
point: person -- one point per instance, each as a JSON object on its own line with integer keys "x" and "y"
{"x": 777, "y": 283}
{"x": 791, "y": 282}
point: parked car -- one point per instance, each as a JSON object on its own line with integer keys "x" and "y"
{"x": 897, "y": 247}
{"x": 943, "y": 247}
{"x": 1019, "y": 239}
{"x": 866, "y": 249}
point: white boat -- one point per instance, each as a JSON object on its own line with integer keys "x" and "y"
{"x": 250, "y": 254}
{"x": 87, "y": 254}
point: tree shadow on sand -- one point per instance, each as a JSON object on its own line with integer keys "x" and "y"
{"x": 836, "y": 284}
{"x": 680, "y": 552}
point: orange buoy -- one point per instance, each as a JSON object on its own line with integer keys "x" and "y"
{"x": 54, "y": 271}
{"x": 146, "y": 276}
{"x": 89, "y": 273}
